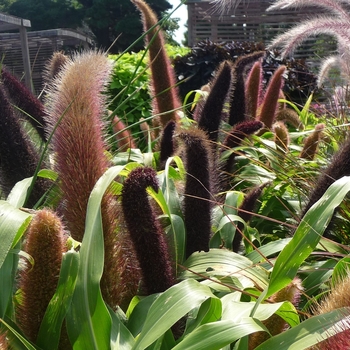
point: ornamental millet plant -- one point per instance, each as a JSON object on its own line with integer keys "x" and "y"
{"x": 75, "y": 109}
{"x": 45, "y": 244}
{"x": 163, "y": 84}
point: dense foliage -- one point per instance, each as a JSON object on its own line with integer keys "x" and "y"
{"x": 230, "y": 232}
{"x": 196, "y": 68}
{"x": 106, "y": 20}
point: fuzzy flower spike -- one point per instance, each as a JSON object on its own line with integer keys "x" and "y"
{"x": 145, "y": 231}
{"x": 163, "y": 83}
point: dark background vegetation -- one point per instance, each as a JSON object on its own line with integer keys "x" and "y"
{"x": 107, "y": 20}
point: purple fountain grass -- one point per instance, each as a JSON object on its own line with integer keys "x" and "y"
{"x": 18, "y": 156}
{"x": 76, "y": 104}
{"x": 237, "y": 112}
{"x": 253, "y": 90}
{"x": 163, "y": 83}
{"x": 269, "y": 104}
{"x": 146, "y": 232}
{"x": 332, "y": 6}
{"x": 311, "y": 143}
{"x": 122, "y": 135}
{"x": 24, "y": 100}
{"x": 210, "y": 113}
{"x": 291, "y": 39}
{"x": 198, "y": 189}
{"x": 45, "y": 243}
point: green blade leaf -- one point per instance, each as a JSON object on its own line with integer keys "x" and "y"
{"x": 50, "y": 328}
{"x": 219, "y": 262}
{"x": 309, "y": 332}
{"x": 89, "y": 322}
{"x": 307, "y": 235}
{"x": 170, "y": 307}
{"x": 22, "y": 342}
{"x": 13, "y": 223}
{"x": 214, "y": 336}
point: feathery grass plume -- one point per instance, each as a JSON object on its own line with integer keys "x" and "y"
{"x": 269, "y": 104}
{"x": 334, "y": 23}
{"x": 75, "y": 97}
{"x": 338, "y": 297}
{"x": 281, "y": 136}
{"x": 210, "y": 113}
{"x": 198, "y": 189}
{"x": 163, "y": 83}
{"x": 122, "y": 135}
{"x": 45, "y": 243}
{"x": 55, "y": 64}
{"x": 167, "y": 146}
{"x": 340, "y": 62}
{"x": 245, "y": 211}
{"x": 276, "y": 324}
{"x": 145, "y": 231}
{"x": 332, "y": 6}
{"x": 311, "y": 143}
{"x": 18, "y": 157}
{"x": 237, "y": 104}
{"x": 75, "y": 102}
{"x": 225, "y": 6}
{"x": 291, "y": 117}
{"x": 24, "y": 100}
{"x": 253, "y": 90}
{"x": 338, "y": 167}
{"x": 293, "y": 38}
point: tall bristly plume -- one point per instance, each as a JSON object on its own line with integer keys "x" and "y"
{"x": 281, "y": 136}
{"x": 77, "y": 105}
{"x": 163, "y": 83}
{"x": 18, "y": 157}
{"x": 253, "y": 90}
{"x": 75, "y": 102}
{"x": 146, "y": 232}
{"x": 272, "y": 94}
{"x": 55, "y": 65}
{"x": 210, "y": 113}
{"x": 238, "y": 102}
{"x": 45, "y": 243}
{"x": 311, "y": 143}
{"x": 197, "y": 196}
{"x": 24, "y": 100}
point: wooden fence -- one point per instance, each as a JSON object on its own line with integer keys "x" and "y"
{"x": 250, "y": 22}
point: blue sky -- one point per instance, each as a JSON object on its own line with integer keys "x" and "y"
{"x": 182, "y": 14}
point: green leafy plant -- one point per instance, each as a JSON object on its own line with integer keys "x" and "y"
{"x": 212, "y": 239}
